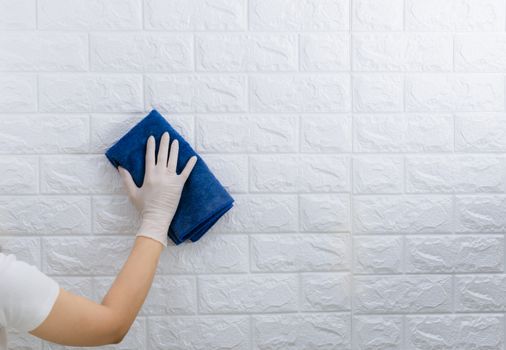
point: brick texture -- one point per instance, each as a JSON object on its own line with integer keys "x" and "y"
{"x": 363, "y": 140}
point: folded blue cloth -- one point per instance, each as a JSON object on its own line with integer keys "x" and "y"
{"x": 203, "y": 199}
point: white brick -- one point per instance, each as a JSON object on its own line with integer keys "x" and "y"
{"x": 324, "y": 173}
{"x": 254, "y": 293}
{"x": 18, "y": 174}
{"x": 325, "y": 52}
{"x": 90, "y": 93}
{"x": 378, "y": 93}
{"x": 295, "y": 15}
{"x": 307, "y": 252}
{"x": 28, "y": 51}
{"x": 403, "y": 133}
{"x": 274, "y": 133}
{"x": 455, "y": 332}
{"x": 196, "y": 93}
{"x": 261, "y": 213}
{"x": 231, "y": 170}
{"x": 455, "y": 174}
{"x": 324, "y": 212}
{"x": 454, "y": 92}
{"x": 480, "y": 213}
{"x": 300, "y": 93}
{"x": 140, "y": 52}
{"x": 323, "y": 331}
{"x": 194, "y": 333}
{"x": 378, "y": 15}
{"x": 25, "y": 249}
{"x": 18, "y": 92}
{"x": 171, "y": 295}
{"x": 108, "y": 128}
{"x": 480, "y": 293}
{"x": 402, "y": 294}
{"x": 325, "y": 133}
{"x": 444, "y": 254}
{"x": 89, "y": 15}
{"x": 22, "y": 15}
{"x": 114, "y": 215}
{"x": 378, "y": 174}
{"x": 213, "y": 253}
{"x": 45, "y": 215}
{"x": 275, "y": 173}
{"x": 455, "y": 15}
{"x": 44, "y": 134}
{"x": 85, "y": 255}
{"x": 402, "y": 52}
{"x": 325, "y": 292}
{"x": 288, "y": 173}
{"x": 21, "y": 341}
{"x": 478, "y": 52}
{"x": 199, "y": 15}
{"x": 246, "y": 52}
{"x": 265, "y": 133}
{"x": 403, "y": 214}
{"x": 377, "y": 254}
{"x": 78, "y": 174}
{"x": 377, "y": 332}
{"x": 480, "y": 132}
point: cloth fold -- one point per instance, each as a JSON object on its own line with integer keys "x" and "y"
{"x": 203, "y": 199}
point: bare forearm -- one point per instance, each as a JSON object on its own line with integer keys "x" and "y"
{"x": 131, "y": 286}
{"x": 78, "y": 321}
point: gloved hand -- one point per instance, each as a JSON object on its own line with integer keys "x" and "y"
{"x": 158, "y": 198}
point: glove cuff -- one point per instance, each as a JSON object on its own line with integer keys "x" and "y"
{"x": 158, "y": 234}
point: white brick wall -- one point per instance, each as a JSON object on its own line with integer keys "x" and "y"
{"x": 363, "y": 140}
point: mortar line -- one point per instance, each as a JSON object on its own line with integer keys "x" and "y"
{"x": 352, "y": 184}
{"x": 146, "y": 332}
{"x": 194, "y": 56}
{"x": 143, "y": 13}
{"x": 497, "y": 154}
{"x": 404, "y": 9}
{"x": 88, "y": 37}
{"x": 36, "y": 15}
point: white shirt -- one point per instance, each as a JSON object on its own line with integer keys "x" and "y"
{"x": 26, "y": 296}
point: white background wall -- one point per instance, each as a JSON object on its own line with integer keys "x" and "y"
{"x": 364, "y": 142}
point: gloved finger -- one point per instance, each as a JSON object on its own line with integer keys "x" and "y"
{"x": 189, "y": 167}
{"x": 128, "y": 181}
{"x": 150, "y": 155}
{"x": 163, "y": 150}
{"x": 174, "y": 153}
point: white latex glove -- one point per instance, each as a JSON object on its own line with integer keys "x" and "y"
{"x": 158, "y": 198}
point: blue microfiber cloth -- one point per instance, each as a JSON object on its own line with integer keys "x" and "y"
{"x": 203, "y": 199}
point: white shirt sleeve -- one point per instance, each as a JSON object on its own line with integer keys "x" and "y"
{"x": 26, "y": 294}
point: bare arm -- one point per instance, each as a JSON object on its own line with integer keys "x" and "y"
{"x": 78, "y": 321}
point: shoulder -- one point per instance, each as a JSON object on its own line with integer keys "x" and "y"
{"x": 6, "y": 261}
{"x": 26, "y": 294}
{"x": 9, "y": 262}
{"x": 16, "y": 273}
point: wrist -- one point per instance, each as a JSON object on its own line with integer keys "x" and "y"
{"x": 161, "y": 241}
{"x": 148, "y": 241}
{"x": 155, "y": 231}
